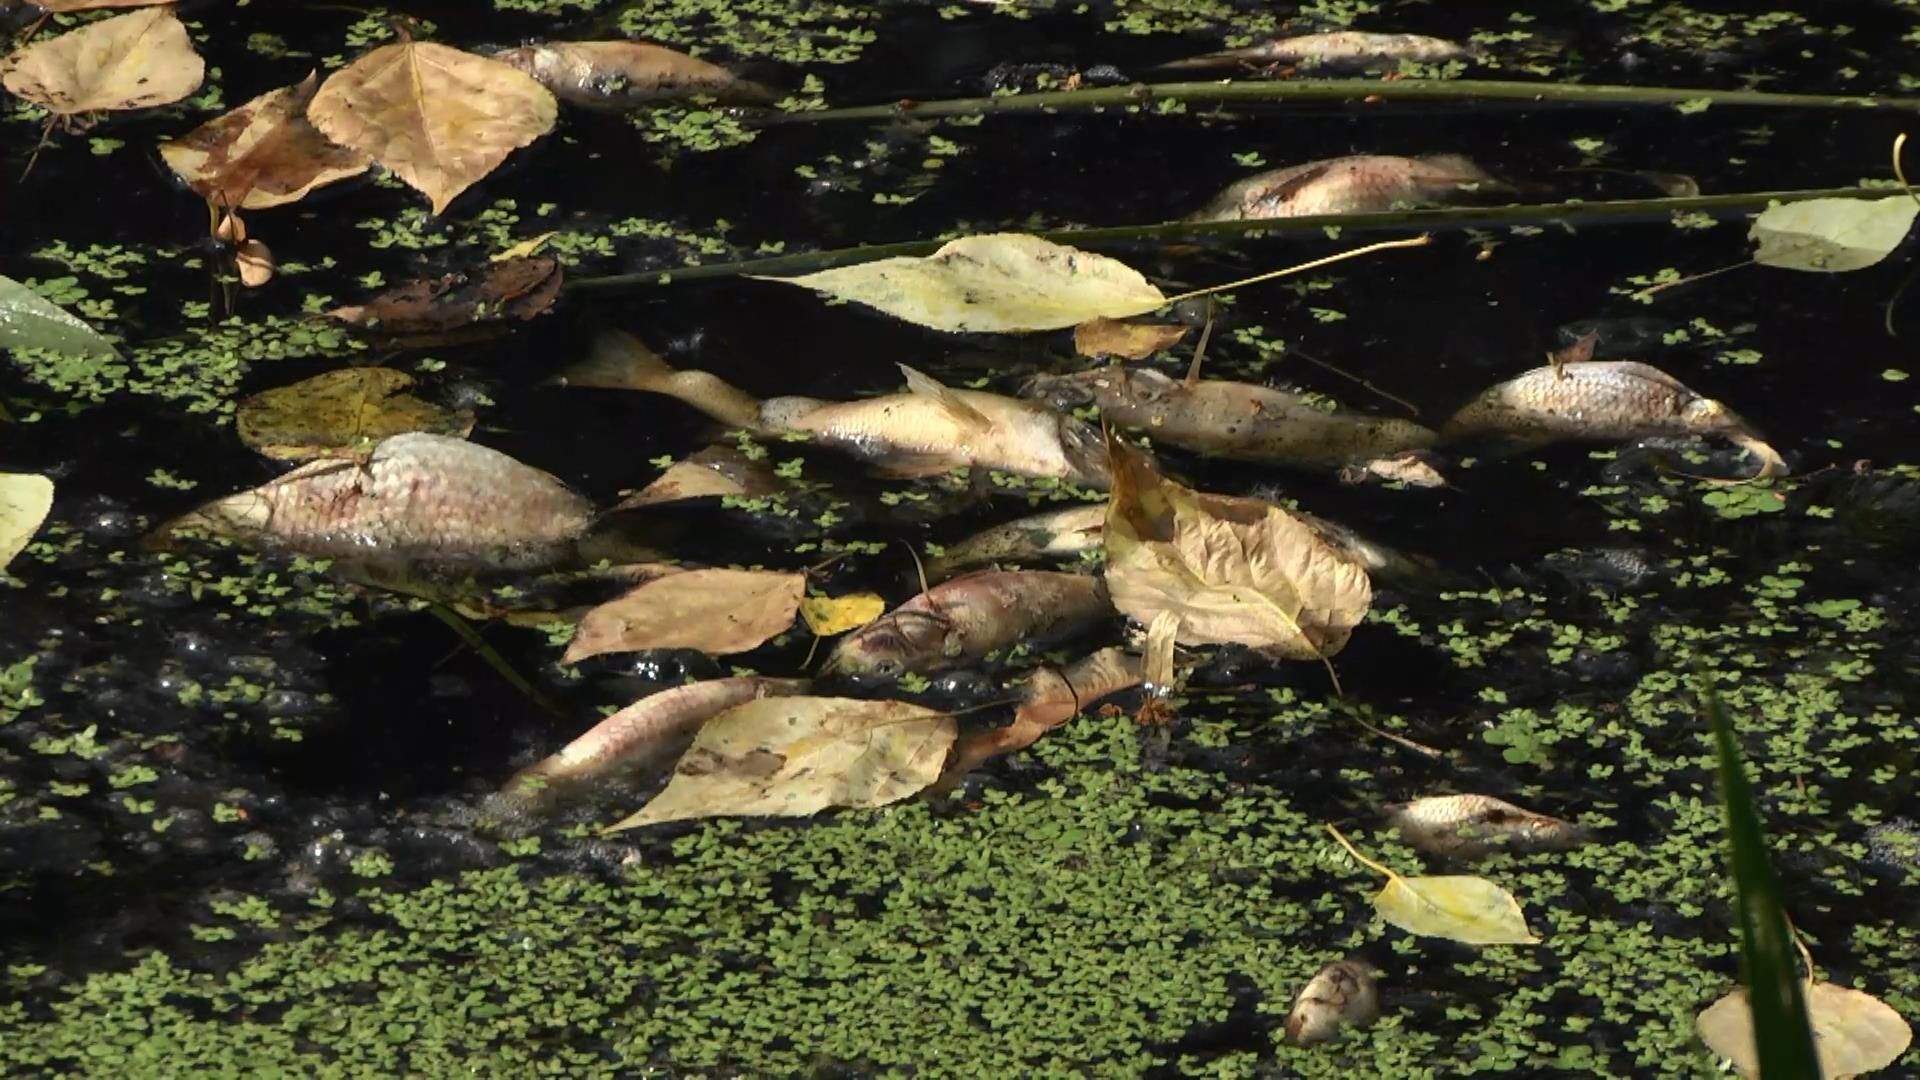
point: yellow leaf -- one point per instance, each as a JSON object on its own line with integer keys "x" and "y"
{"x": 715, "y": 611}
{"x": 439, "y": 118}
{"x": 996, "y": 283}
{"x": 1132, "y": 340}
{"x": 1853, "y": 1032}
{"x": 1472, "y": 910}
{"x": 524, "y": 248}
{"x": 1830, "y": 236}
{"x": 131, "y": 61}
{"x": 796, "y": 756}
{"x": 264, "y": 153}
{"x": 25, "y": 499}
{"x": 830, "y": 615}
{"x": 340, "y": 412}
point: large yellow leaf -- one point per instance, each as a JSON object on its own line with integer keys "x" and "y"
{"x": 795, "y": 756}
{"x": 25, "y": 499}
{"x": 264, "y": 153}
{"x": 1830, "y": 236}
{"x": 439, "y": 118}
{"x": 996, "y": 283}
{"x": 340, "y": 412}
{"x": 1853, "y": 1032}
{"x": 715, "y": 611}
{"x": 131, "y": 61}
{"x": 830, "y": 615}
{"x": 1460, "y": 908}
{"x": 1232, "y": 570}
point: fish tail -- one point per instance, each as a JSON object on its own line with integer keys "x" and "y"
{"x": 620, "y": 361}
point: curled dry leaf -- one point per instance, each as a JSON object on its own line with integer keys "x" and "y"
{"x": 439, "y": 118}
{"x": 715, "y": 611}
{"x": 30, "y": 321}
{"x": 1829, "y": 236}
{"x": 830, "y": 615}
{"x": 1472, "y": 826}
{"x": 264, "y": 153}
{"x": 458, "y": 307}
{"x": 996, "y": 283}
{"x": 1853, "y": 1032}
{"x": 25, "y": 499}
{"x": 1344, "y": 994}
{"x": 340, "y": 413}
{"x": 417, "y": 498}
{"x": 1415, "y": 468}
{"x": 796, "y": 756}
{"x": 1051, "y": 698}
{"x": 1158, "y": 656}
{"x": 253, "y": 262}
{"x": 1125, "y": 338}
{"x": 625, "y": 74}
{"x": 1472, "y": 910}
{"x": 131, "y": 61}
{"x": 1233, "y": 570}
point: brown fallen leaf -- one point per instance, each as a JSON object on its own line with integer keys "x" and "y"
{"x": 1853, "y": 1032}
{"x": 253, "y": 262}
{"x": 1125, "y": 338}
{"x": 626, "y": 74}
{"x": 715, "y": 611}
{"x": 1472, "y": 826}
{"x": 1344, "y": 994}
{"x": 458, "y": 307}
{"x": 132, "y": 61}
{"x": 264, "y": 153}
{"x": 340, "y": 413}
{"x": 1050, "y": 699}
{"x": 438, "y": 118}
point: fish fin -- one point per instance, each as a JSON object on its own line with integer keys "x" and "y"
{"x": 617, "y": 361}
{"x": 919, "y": 382}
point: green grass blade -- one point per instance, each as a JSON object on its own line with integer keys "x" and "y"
{"x": 1782, "y": 1034}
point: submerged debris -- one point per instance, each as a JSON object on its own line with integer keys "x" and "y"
{"x": 965, "y": 619}
{"x": 1363, "y": 183}
{"x": 1341, "y": 49}
{"x": 1342, "y": 995}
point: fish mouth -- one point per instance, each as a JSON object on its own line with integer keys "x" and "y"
{"x": 1055, "y": 391}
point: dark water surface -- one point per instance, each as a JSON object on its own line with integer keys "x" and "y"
{"x": 237, "y": 796}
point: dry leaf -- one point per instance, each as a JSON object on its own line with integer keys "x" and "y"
{"x": 524, "y": 248}
{"x": 1233, "y": 570}
{"x": 1472, "y": 910}
{"x": 439, "y": 118}
{"x": 253, "y": 262}
{"x": 1471, "y": 826}
{"x": 340, "y": 413}
{"x": 264, "y": 153}
{"x": 131, "y": 61}
{"x": 1158, "y": 656}
{"x": 1853, "y": 1032}
{"x": 624, "y": 74}
{"x": 1050, "y": 699}
{"x": 830, "y": 615}
{"x": 717, "y": 470}
{"x": 996, "y": 283}
{"x": 458, "y": 307}
{"x": 1341, "y": 995}
{"x": 796, "y": 756}
{"x": 715, "y": 611}
{"x": 25, "y": 499}
{"x": 1132, "y": 340}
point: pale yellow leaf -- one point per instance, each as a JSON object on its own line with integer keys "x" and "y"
{"x": 340, "y": 412}
{"x": 264, "y": 153}
{"x": 439, "y": 118}
{"x": 1831, "y": 235}
{"x": 996, "y": 283}
{"x": 1131, "y": 340}
{"x": 830, "y": 615}
{"x": 1853, "y": 1032}
{"x": 715, "y": 611}
{"x": 25, "y": 499}
{"x": 1157, "y": 657}
{"x": 131, "y": 61}
{"x": 796, "y": 756}
{"x": 1467, "y": 909}
{"x": 524, "y": 248}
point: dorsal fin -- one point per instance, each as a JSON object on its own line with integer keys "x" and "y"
{"x": 919, "y": 382}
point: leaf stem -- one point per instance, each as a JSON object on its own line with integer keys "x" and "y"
{"x": 1363, "y": 860}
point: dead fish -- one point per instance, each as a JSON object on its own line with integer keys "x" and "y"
{"x": 1362, "y": 183}
{"x": 965, "y": 619}
{"x": 716, "y": 470}
{"x": 1058, "y": 534}
{"x": 1602, "y": 400}
{"x": 1473, "y": 826}
{"x": 1381, "y": 562}
{"x": 419, "y": 498}
{"x": 1237, "y": 420}
{"x": 647, "y": 731}
{"x": 1351, "y": 49}
{"x": 929, "y": 429}
{"x": 1344, "y": 994}
{"x": 628, "y": 74}
{"x": 1051, "y": 699}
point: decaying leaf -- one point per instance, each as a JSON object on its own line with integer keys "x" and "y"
{"x": 30, "y": 321}
{"x": 1050, "y": 699}
{"x": 1472, "y": 910}
{"x": 25, "y": 499}
{"x": 131, "y": 61}
{"x": 253, "y": 263}
{"x": 437, "y": 117}
{"x": 1415, "y": 468}
{"x": 1158, "y": 656}
{"x": 1233, "y": 570}
{"x": 996, "y": 283}
{"x": 264, "y": 153}
{"x": 830, "y": 615}
{"x": 458, "y": 307}
{"x": 1829, "y": 236}
{"x": 1341, "y": 995}
{"x": 796, "y": 756}
{"x": 1125, "y": 338}
{"x": 624, "y": 74}
{"x": 340, "y": 413}
{"x": 1853, "y": 1032}
{"x": 715, "y": 611}
{"x": 417, "y": 498}
{"x": 1471, "y": 826}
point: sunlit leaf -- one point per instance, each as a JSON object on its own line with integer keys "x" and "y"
{"x": 715, "y": 611}
{"x": 623, "y": 74}
{"x": 131, "y": 61}
{"x": 30, "y": 321}
{"x": 264, "y": 153}
{"x": 1124, "y": 338}
{"x": 796, "y": 756}
{"x": 996, "y": 283}
{"x": 25, "y": 499}
{"x": 1831, "y": 235}
{"x": 340, "y": 412}
{"x": 830, "y": 615}
{"x": 1853, "y": 1032}
{"x": 1460, "y": 908}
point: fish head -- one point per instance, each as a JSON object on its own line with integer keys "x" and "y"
{"x": 889, "y": 647}
{"x": 1706, "y": 414}
{"x": 1061, "y": 392}
{"x": 1085, "y": 450}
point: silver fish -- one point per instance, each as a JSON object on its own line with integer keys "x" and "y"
{"x": 1362, "y": 183}
{"x": 964, "y": 619}
{"x": 1353, "y": 49}
{"x": 1341, "y": 995}
{"x": 1473, "y": 826}
{"x": 1057, "y": 534}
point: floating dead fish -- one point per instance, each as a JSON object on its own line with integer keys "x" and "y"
{"x": 417, "y": 498}
{"x": 1344, "y": 49}
{"x": 1242, "y": 421}
{"x": 1344, "y": 994}
{"x": 1363, "y": 183}
{"x": 716, "y": 470}
{"x": 1602, "y": 401}
{"x": 1474, "y": 826}
{"x": 628, "y": 74}
{"x": 1059, "y": 534}
{"x": 1051, "y": 699}
{"x": 929, "y": 429}
{"x": 963, "y": 620}
{"x": 1381, "y": 562}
